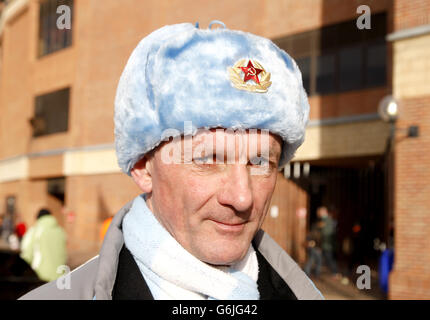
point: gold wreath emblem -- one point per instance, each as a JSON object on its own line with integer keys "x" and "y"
{"x": 238, "y": 83}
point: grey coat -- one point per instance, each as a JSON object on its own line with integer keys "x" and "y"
{"x": 96, "y": 278}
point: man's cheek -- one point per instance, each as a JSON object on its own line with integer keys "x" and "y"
{"x": 262, "y": 203}
{"x": 199, "y": 190}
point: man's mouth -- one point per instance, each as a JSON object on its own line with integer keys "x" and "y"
{"x": 227, "y": 227}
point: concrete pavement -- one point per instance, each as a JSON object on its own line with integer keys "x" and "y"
{"x": 335, "y": 289}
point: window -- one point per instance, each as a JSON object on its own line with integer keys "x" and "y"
{"x": 375, "y": 71}
{"x": 9, "y": 217}
{"x": 51, "y": 113}
{"x": 350, "y": 68}
{"x": 304, "y": 65}
{"x": 56, "y": 188}
{"x": 10, "y": 205}
{"x": 51, "y": 38}
{"x": 340, "y": 57}
{"x": 326, "y": 73}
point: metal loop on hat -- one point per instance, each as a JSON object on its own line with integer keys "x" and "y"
{"x": 216, "y": 22}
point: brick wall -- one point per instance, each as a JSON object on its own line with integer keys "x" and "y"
{"x": 411, "y": 76}
{"x": 288, "y": 229}
{"x": 357, "y": 139}
{"x": 410, "y": 278}
{"x": 346, "y": 103}
{"x": 31, "y": 196}
{"x": 411, "y": 13}
{"x": 92, "y": 199}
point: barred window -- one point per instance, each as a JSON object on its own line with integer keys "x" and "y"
{"x": 51, "y": 38}
{"x": 51, "y": 113}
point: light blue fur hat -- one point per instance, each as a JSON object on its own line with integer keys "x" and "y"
{"x": 182, "y": 73}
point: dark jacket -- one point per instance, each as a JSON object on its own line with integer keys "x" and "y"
{"x": 113, "y": 274}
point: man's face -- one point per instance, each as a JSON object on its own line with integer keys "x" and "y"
{"x": 214, "y": 209}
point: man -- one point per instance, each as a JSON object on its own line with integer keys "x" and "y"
{"x": 327, "y": 228}
{"x": 43, "y": 246}
{"x": 203, "y": 121}
{"x": 314, "y": 251}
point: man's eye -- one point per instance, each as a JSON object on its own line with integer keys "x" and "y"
{"x": 204, "y": 160}
{"x": 259, "y": 161}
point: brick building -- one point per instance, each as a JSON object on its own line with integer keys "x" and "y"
{"x": 411, "y": 46}
{"x": 57, "y": 88}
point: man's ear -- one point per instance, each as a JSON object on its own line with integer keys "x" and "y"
{"x": 141, "y": 174}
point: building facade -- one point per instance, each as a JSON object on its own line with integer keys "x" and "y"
{"x": 57, "y": 88}
{"x": 411, "y": 87}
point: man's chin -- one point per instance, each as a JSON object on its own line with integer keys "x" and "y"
{"x": 225, "y": 254}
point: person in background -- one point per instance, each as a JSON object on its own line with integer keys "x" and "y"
{"x": 327, "y": 228}
{"x": 386, "y": 260}
{"x": 20, "y": 229}
{"x": 44, "y": 246}
{"x": 105, "y": 227}
{"x": 314, "y": 252}
{"x": 7, "y": 227}
{"x": 358, "y": 245}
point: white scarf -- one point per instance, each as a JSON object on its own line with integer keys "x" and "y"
{"x": 171, "y": 272}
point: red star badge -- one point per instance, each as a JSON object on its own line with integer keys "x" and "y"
{"x": 251, "y": 73}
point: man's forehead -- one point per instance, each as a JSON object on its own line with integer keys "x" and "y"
{"x": 236, "y": 145}
{"x": 223, "y": 139}
{"x": 212, "y": 135}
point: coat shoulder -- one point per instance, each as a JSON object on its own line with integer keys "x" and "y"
{"x": 290, "y": 272}
{"x": 79, "y": 285}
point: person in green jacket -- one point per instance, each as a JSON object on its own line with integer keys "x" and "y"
{"x": 327, "y": 228}
{"x": 44, "y": 247}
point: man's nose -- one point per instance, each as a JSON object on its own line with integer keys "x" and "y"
{"x": 237, "y": 191}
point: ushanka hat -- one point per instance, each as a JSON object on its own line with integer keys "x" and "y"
{"x": 211, "y": 78}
